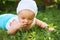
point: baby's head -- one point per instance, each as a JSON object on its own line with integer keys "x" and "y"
{"x": 27, "y": 10}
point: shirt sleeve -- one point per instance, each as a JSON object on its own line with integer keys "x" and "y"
{"x": 8, "y": 25}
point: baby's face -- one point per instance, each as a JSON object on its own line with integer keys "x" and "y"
{"x": 26, "y": 17}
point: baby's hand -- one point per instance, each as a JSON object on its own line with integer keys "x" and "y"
{"x": 51, "y": 28}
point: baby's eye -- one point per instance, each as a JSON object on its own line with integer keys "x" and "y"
{"x": 30, "y": 19}
{"x": 23, "y": 18}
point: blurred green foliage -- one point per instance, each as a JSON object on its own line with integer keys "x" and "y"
{"x": 50, "y": 16}
{"x": 7, "y": 6}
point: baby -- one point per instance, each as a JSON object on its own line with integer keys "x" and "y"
{"x": 25, "y": 18}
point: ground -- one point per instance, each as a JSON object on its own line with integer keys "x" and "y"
{"x": 50, "y": 16}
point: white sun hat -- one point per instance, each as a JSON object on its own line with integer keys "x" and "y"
{"x": 27, "y": 4}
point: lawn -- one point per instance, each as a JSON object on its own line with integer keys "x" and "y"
{"x": 50, "y": 16}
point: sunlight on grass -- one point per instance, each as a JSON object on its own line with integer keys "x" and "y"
{"x": 51, "y": 17}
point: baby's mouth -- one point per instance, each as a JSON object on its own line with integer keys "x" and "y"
{"x": 25, "y": 24}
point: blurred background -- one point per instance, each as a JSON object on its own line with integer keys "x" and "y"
{"x": 10, "y": 5}
{"x": 48, "y": 11}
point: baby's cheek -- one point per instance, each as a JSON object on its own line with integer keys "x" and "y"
{"x": 22, "y": 21}
{"x": 30, "y": 22}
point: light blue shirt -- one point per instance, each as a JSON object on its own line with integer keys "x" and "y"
{"x": 4, "y": 18}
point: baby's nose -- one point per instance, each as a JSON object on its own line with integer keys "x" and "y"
{"x": 25, "y": 21}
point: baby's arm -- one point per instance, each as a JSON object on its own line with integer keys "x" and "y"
{"x": 43, "y": 25}
{"x": 14, "y": 26}
{"x": 40, "y": 23}
{"x": 12, "y": 30}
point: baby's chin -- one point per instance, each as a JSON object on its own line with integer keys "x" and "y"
{"x": 26, "y": 25}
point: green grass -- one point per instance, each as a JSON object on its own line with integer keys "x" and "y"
{"x": 52, "y": 17}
